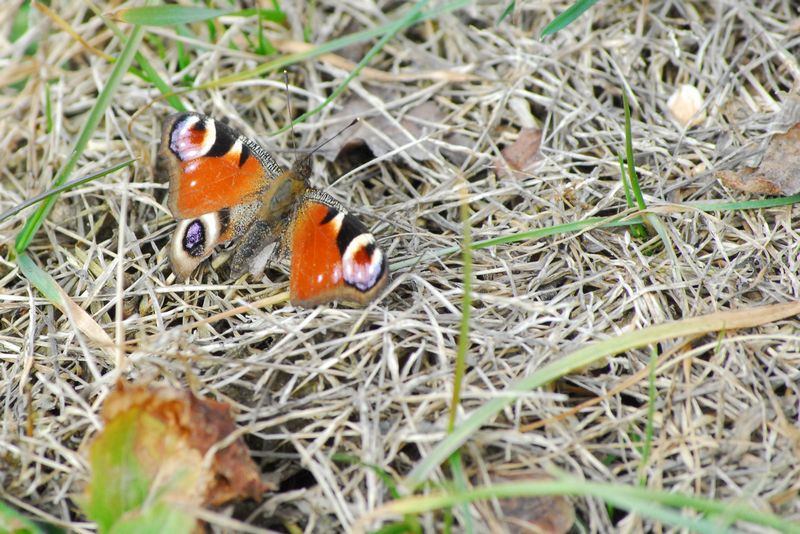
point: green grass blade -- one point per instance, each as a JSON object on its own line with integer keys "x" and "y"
{"x": 460, "y": 484}
{"x": 49, "y": 288}
{"x": 12, "y": 521}
{"x": 538, "y": 233}
{"x": 64, "y": 187}
{"x": 506, "y": 12}
{"x": 633, "y": 176}
{"x": 599, "y": 222}
{"x": 272, "y": 15}
{"x": 660, "y": 505}
{"x": 327, "y": 47}
{"x": 48, "y": 110}
{"x": 407, "y": 20}
{"x": 21, "y": 22}
{"x": 625, "y": 186}
{"x": 587, "y": 355}
{"x": 466, "y": 308}
{"x": 172, "y": 15}
{"x": 637, "y": 230}
{"x": 168, "y": 15}
{"x": 762, "y": 203}
{"x": 651, "y": 412}
{"x": 42, "y": 281}
{"x": 95, "y": 115}
{"x": 566, "y": 18}
{"x": 149, "y": 73}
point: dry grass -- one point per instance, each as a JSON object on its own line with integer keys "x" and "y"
{"x": 376, "y": 383}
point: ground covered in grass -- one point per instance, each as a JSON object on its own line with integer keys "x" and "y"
{"x": 440, "y": 100}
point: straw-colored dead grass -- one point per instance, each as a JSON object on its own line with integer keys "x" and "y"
{"x": 376, "y": 383}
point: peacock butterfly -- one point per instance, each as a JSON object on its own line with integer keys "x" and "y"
{"x": 224, "y": 186}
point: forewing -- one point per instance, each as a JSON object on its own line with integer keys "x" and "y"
{"x": 211, "y": 166}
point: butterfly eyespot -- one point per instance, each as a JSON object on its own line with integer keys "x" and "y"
{"x": 192, "y": 137}
{"x": 363, "y": 263}
{"x": 194, "y": 239}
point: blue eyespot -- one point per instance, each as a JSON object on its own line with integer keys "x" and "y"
{"x": 194, "y": 239}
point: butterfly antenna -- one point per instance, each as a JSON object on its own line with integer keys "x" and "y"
{"x": 302, "y": 167}
{"x": 334, "y": 136}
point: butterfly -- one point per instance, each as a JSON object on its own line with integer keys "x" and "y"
{"x": 224, "y": 186}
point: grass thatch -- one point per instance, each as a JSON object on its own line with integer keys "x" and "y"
{"x": 376, "y": 383}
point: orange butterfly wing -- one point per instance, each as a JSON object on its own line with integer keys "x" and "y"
{"x": 212, "y": 166}
{"x": 334, "y": 257}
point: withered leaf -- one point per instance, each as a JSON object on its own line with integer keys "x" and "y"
{"x": 521, "y": 155}
{"x": 173, "y": 430}
{"x": 778, "y": 171}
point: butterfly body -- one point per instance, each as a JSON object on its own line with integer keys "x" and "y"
{"x": 224, "y": 187}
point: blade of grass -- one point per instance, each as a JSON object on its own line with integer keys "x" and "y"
{"x": 64, "y": 187}
{"x": 407, "y": 20}
{"x": 21, "y": 22}
{"x": 16, "y": 522}
{"x": 638, "y": 230}
{"x": 506, "y": 12}
{"x": 48, "y": 287}
{"x": 466, "y": 308}
{"x": 633, "y": 498}
{"x": 48, "y": 111}
{"x": 172, "y": 15}
{"x": 633, "y": 176}
{"x": 567, "y": 17}
{"x": 265, "y": 48}
{"x": 25, "y": 236}
{"x": 537, "y": 233}
{"x": 761, "y": 203}
{"x": 460, "y": 484}
{"x": 328, "y": 46}
{"x": 651, "y": 412}
{"x": 275, "y": 14}
{"x": 168, "y": 15}
{"x": 591, "y": 353}
{"x": 150, "y": 74}
{"x": 633, "y": 179}
{"x": 456, "y": 466}
{"x": 67, "y": 28}
{"x": 623, "y": 219}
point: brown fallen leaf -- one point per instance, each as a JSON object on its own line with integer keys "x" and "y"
{"x": 547, "y": 514}
{"x": 778, "y": 171}
{"x": 194, "y": 426}
{"x": 521, "y": 155}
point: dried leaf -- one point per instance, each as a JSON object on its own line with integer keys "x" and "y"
{"x": 776, "y": 174}
{"x": 521, "y": 155}
{"x": 148, "y": 464}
